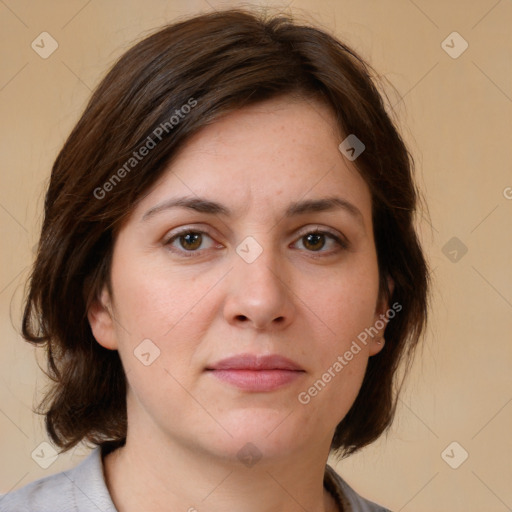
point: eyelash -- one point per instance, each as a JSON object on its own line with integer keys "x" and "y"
{"x": 342, "y": 243}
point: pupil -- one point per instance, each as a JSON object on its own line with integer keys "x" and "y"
{"x": 315, "y": 241}
{"x": 191, "y": 240}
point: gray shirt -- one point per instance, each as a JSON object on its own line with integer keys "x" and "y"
{"x": 83, "y": 489}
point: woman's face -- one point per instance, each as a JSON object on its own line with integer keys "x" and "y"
{"x": 246, "y": 248}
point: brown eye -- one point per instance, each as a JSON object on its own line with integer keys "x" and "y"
{"x": 322, "y": 242}
{"x": 314, "y": 241}
{"x": 191, "y": 241}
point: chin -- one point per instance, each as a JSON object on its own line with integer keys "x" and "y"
{"x": 260, "y": 432}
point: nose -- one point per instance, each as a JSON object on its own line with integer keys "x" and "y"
{"x": 258, "y": 294}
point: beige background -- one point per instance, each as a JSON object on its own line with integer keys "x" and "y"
{"x": 456, "y": 114}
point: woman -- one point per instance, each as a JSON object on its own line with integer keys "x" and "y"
{"x": 228, "y": 275}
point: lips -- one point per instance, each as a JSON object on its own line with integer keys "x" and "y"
{"x": 255, "y": 362}
{"x": 250, "y": 372}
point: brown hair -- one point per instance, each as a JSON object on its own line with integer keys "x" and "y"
{"x": 218, "y": 63}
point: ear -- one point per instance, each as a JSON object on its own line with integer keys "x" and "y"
{"x": 101, "y": 320}
{"x": 380, "y": 320}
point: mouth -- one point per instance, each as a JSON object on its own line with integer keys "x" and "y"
{"x": 255, "y": 373}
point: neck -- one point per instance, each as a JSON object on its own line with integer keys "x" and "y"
{"x": 148, "y": 474}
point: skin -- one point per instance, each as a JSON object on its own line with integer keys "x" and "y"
{"x": 306, "y": 300}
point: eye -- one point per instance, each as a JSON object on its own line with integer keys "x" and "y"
{"x": 321, "y": 241}
{"x": 189, "y": 241}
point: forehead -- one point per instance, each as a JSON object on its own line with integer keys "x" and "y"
{"x": 267, "y": 155}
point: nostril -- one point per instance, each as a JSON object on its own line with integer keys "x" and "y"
{"x": 243, "y": 318}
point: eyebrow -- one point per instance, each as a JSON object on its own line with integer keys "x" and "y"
{"x": 203, "y": 205}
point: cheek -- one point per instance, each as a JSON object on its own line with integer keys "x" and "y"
{"x": 342, "y": 311}
{"x": 345, "y": 303}
{"x": 328, "y": 397}
{"x": 151, "y": 301}
{"x": 161, "y": 320}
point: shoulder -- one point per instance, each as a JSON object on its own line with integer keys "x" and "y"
{"x": 81, "y": 489}
{"x": 351, "y": 500}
